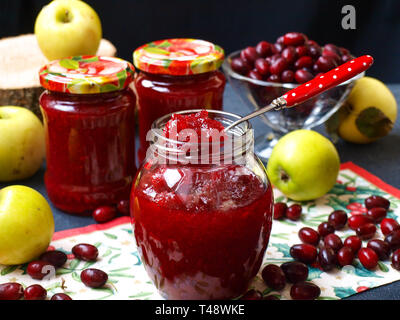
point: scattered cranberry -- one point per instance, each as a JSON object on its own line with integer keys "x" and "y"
{"x": 304, "y": 252}
{"x": 240, "y": 66}
{"x": 86, "y": 252}
{"x": 11, "y": 291}
{"x": 263, "y": 49}
{"x": 381, "y": 248}
{"x": 358, "y": 220}
{"x": 61, "y": 296}
{"x": 39, "y": 269}
{"x": 252, "y": 295}
{"x": 377, "y": 201}
{"x": 338, "y": 219}
{"x": 396, "y": 259}
{"x": 388, "y": 225}
{"x": 366, "y": 231}
{"x": 274, "y": 277}
{"x": 333, "y": 241}
{"x": 35, "y": 292}
{"x": 377, "y": 214}
{"x": 295, "y": 271}
{"x": 353, "y": 242}
{"x": 279, "y": 210}
{"x": 305, "y": 291}
{"x": 327, "y": 258}
{"x": 123, "y": 207}
{"x": 325, "y": 228}
{"x": 104, "y": 214}
{"x": 54, "y": 257}
{"x": 294, "y": 39}
{"x": 393, "y": 239}
{"x": 94, "y": 278}
{"x": 294, "y": 212}
{"x": 345, "y": 256}
{"x": 309, "y": 235}
{"x": 368, "y": 258}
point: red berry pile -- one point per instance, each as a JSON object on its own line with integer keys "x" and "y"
{"x": 293, "y": 58}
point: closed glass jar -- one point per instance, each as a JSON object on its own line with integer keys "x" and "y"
{"x": 88, "y": 113}
{"x": 176, "y": 75}
{"x": 201, "y": 228}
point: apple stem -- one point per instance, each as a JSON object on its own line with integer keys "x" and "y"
{"x": 66, "y": 17}
{"x": 284, "y": 176}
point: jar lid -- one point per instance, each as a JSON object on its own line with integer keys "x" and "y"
{"x": 86, "y": 74}
{"x": 178, "y": 57}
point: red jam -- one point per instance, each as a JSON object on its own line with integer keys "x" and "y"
{"x": 89, "y": 136}
{"x": 168, "y": 83}
{"x": 201, "y": 230}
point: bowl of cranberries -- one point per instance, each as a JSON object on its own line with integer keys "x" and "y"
{"x": 262, "y": 73}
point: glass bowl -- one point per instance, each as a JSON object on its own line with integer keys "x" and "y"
{"x": 257, "y": 94}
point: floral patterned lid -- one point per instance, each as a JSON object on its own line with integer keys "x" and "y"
{"x": 178, "y": 57}
{"x": 86, "y": 74}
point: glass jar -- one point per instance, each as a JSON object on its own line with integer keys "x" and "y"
{"x": 176, "y": 75}
{"x": 88, "y": 113}
{"x": 201, "y": 227}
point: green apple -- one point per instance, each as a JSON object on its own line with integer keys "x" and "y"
{"x": 22, "y": 143}
{"x": 304, "y": 165}
{"x": 27, "y": 225}
{"x": 66, "y": 28}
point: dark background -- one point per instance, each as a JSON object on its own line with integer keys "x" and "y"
{"x": 236, "y": 24}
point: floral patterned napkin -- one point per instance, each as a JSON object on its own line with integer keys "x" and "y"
{"x": 118, "y": 255}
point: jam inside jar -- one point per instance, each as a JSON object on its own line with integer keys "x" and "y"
{"x": 176, "y": 75}
{"x": 201, "y": 228}
{"x": 89, "y": 125}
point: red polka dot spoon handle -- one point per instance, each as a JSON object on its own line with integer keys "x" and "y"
{"x": 327, "y": 80}
{"x": 314, "y": 87}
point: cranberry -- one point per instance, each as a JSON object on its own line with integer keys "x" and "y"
{"x": 333, "y": 241}
{"x": 358, "y": 220}
{"x": 295, "y": 271}
{"x": 301, "y": 51}
{"x": 254, "y": 75}
{"x": 262, "y": 66}
{"x": 327, "y": 258}
{"x": 94, "y": 278}
{"x": 381, "y": 248}
{"x": 54, "y": 257}
{"x": 289, "y": 54}
{"x": 346, "y": 57}
{"x": 345, "y": 256}
{"x": 61, "y": 296}
{"x": 278, "y": 66}
{"x": 309, "y": 235}
{"x": 337, "y": 219}
{"x": 388, "y": 225}
{"x": 249, "y": 54}
{"x": 86, "y": 252}
{"x": 377, "y": 201}
{"x": 11, "y": 291}
{"x": 123, "y": 207}
{"x": 331, "y": 47}
{"x": 294, "y": 39}
{"x": 35, "y": 292}
{"x": 240, "y": 66}
{"x": 368, "y": 258}
{"x": 303, "y": 62}
{"x": 252, "y": 295}
{"x": 294, "y": 212}
{"x": 366, "y": 231}
{"x": 344, "y": 51}
{"x": 277, "y": 48}
{"x": 305, "y": 291}
{"x": 304, "y": 252}
{"x": 263, "y": 49}
{"x": 332, "y": 55}
{"x": 353, "y": 242}
{"x": 280, "y": 210}
{"x": 314, "y": 51}
{"x": 274, "y": 78}
{"x": 376, "y": 214}
{"x": 274, "y": 277}
{"x": 326, "y": 63}
{"x": 104, "y": 214}
{"x": 39, "y": 269}
{"x": 396, "y": 259}
{"x": 303, "y": 76}
{"x": 393, "y": 239}
{"x": 287, "y": 76}
{"x": 325, "y": 228}
{"x": 280, "y": 40}
{"x": 271, "y": 297}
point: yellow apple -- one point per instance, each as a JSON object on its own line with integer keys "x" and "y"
{"x": 66, "y": 28}
{"x": 22, "y": 143}
{"x": 26, "y": 225}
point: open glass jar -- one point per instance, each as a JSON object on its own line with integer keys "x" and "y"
{"x": 88, "y": 112}
{"x": 202, "y": 224}
{"x": 176, "y": 75}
